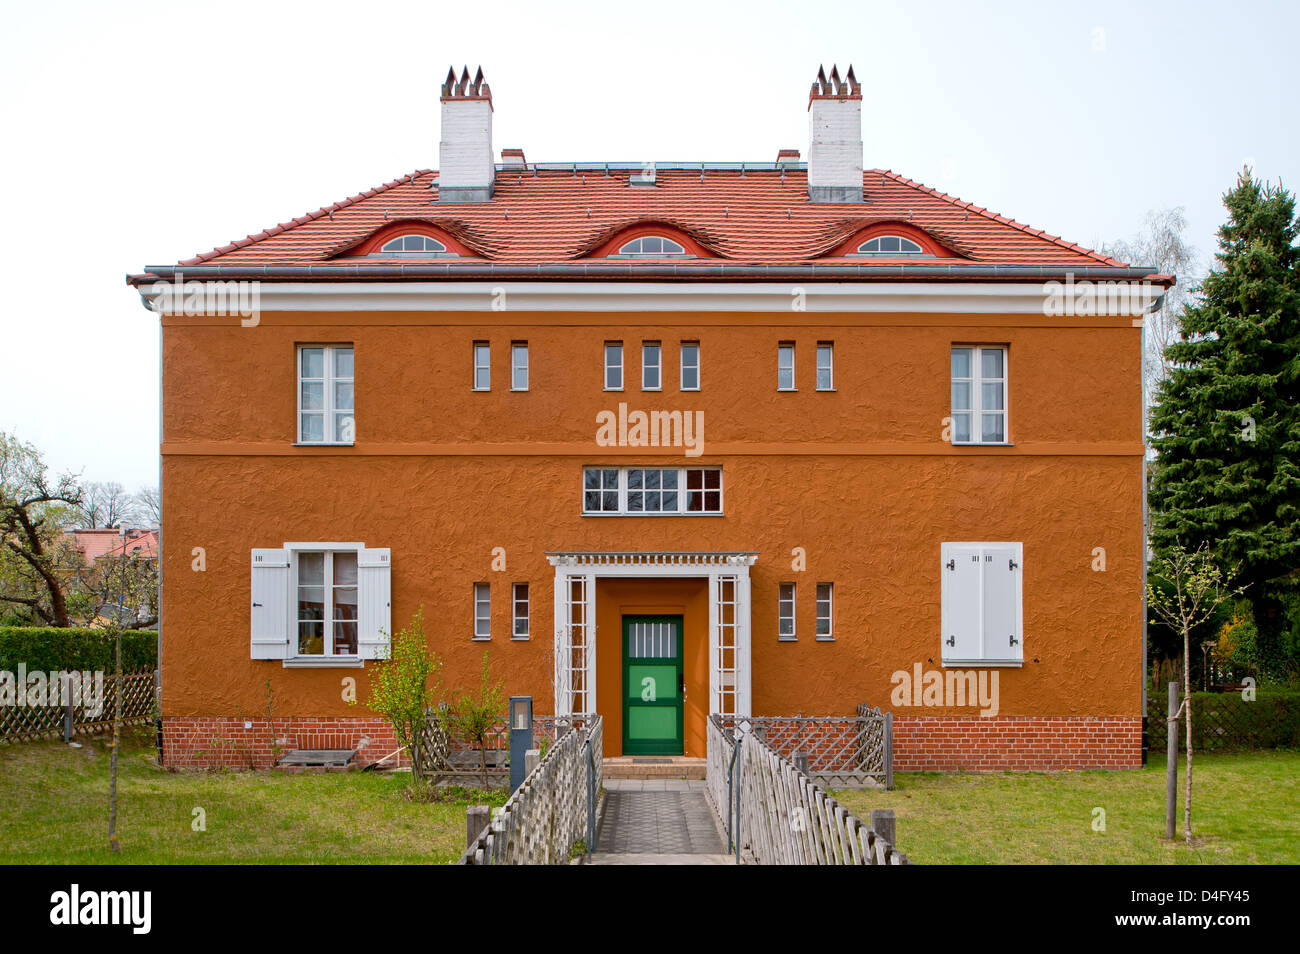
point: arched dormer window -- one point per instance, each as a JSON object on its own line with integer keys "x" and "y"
{"x": 890, "y": 245}
{"x": 411, "y": 246}
{"x": 652, "y": 246}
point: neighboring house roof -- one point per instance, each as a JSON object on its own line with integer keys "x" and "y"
{"x": 94, "y": 544}
{"x": 548, "y": 215}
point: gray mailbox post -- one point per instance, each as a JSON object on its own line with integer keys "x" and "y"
{"x": 521, "y": 737}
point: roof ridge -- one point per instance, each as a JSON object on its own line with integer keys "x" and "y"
{"x": 303, "y": 219}
{"x": 996, "y": 216}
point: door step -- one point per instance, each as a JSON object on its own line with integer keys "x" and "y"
{"x": 627, "y": 766}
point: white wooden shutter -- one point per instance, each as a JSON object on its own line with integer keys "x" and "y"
{"x": 374, "y": 583}
{"x": 1002, "y": 635}
{"x": 960, "y": 606}
{"x": 270, "y": 610}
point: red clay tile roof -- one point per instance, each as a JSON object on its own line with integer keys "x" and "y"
{"x": 758, "y": 217}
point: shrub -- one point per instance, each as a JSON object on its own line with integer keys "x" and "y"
{"x": 49, "y": 648}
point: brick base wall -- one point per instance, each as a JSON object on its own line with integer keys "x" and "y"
{"x": 222, "y": 741}
{"x": 938, "y": 743}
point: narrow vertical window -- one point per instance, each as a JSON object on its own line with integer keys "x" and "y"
{"x": 785, "y": 366}
{"x": 690, "y": 365}
{"x": 825, "y": 366}
{"x": 325, "y": 400}
{"x": 482, "y": 611}
{"x": 979, "y": 395}
{"x": 482, "y": 366}
{"x": 519, "y": 366}
{"x": 521, "y": 611}
{"x": 825, "y": 610}
{"x": 651, "y": 366}
{"x": 785, "y": 611}
{"x": 613, "y": 365}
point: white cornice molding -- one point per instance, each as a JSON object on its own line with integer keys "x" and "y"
{"x": 1033, "y": 298}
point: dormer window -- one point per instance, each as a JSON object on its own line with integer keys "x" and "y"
{"x": 890, "y": 245}
{"x": 652, "y": 246}
{"x": 412, "y": 246}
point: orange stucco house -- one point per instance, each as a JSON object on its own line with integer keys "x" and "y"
{"x": 759, "y": 438}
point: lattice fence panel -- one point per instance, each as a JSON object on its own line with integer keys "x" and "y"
{"x": 19, "y": 723}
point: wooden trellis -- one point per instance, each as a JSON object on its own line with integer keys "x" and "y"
{"x": 19, "y": 723}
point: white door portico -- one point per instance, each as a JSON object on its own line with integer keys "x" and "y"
{"x": 576, "y": 574}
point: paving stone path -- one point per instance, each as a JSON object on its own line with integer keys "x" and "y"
{"x": 658, "y": 821}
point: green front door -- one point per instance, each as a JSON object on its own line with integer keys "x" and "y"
{"x": 652, "y": 685}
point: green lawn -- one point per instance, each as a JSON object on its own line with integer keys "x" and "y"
{"x": 1245, "y": 810}
{"x": 54, "y": 808}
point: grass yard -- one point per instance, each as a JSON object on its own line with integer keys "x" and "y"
{"x": 54, "y": 809}
{"x": 1245, "y": 810}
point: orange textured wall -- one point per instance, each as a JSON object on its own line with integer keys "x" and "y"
{"x": 860, "y": 478}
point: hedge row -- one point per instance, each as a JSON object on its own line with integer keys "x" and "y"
{"x": 1223, "y": 721}
{"x": 49, "y": 649}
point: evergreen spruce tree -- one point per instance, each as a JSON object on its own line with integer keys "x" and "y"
{"x": 1226, "y": 425}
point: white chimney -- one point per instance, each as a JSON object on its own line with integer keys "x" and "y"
{"x": 465, "y": 167}
{"x": 835, "y": 138}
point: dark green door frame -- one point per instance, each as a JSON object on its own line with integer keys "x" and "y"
{"x": 652, "y": 694}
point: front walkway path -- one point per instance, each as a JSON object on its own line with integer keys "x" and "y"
{"x": 658, "y": 821}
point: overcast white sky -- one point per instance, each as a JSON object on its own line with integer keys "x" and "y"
{"x": 142, "y": 133}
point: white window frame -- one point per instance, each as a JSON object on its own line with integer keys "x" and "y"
{"x": 628, "y": 249}
{"x": 294, "y": 658}
{"x": 977, "y": 382}
{"x": 829, "y": 348}
{"x": 695, "y": 367}
{"x": 423, "y": 252}
{"x": 516, "y": 349}
{"x": 683, "y": 493}
{"x": 616, "y": 346}
{"x": 646, "y": 348}
{"x": 781, "y": 349}
{"x": 792, "y": 603}
{"x": 516, "y": 601}
{"x": 828, "y": 615}
{"x": 482, "y": 601}
{"x": 954, "y": 551}
{"x": 327, "y": 382}
{"x": 903, "y": 240}
{"x": 482, "y": 350}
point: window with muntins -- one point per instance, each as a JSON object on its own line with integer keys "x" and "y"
{"x": 651, "y": 366}
{"x": 519, "y": 366}
{"x": 890, "y": 245}
{"x": 520, "y": 611}
{"x": 979, "y": 394}
{"x": 825, "y": 366}
{"x": 482, "y": 366}
{"x": 981, "y": 603}
{"x": 327, "y": 603}
{"x": 785, "y": 366}
{"x": 482, "y": 611}
{"x": 412, "y": 246}
{"x": 325, "y": 399}
{"x": 652, "y": 246}
{"x": 690, "y": 365}
{"x": 652, "y": 491}
{"x": 825, "y": 610}
{"x": 613, "y": 365}
{"x": 785, "y": 611}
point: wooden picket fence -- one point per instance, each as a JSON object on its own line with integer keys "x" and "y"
{"x": 778, "y": 815}
{"x": 552, "y": 810}
{"x": 22, "y": 723}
